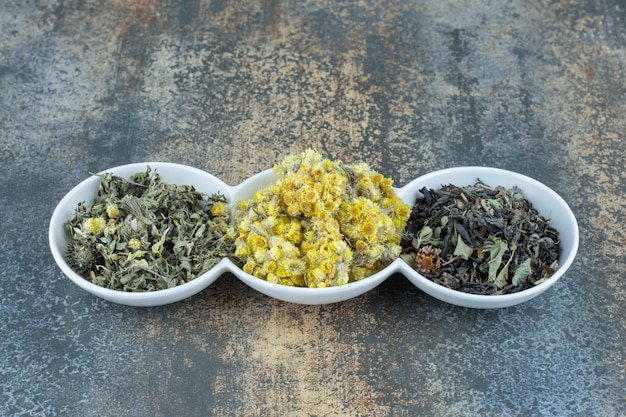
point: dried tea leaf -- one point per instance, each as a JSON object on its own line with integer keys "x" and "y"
{"x": 492, "y": 240}
{"x": 522, "y": 272}
{"x": 496, "y": 252}
{"x": 503, "y": 276}
{"x": 495, "y": 203}
{"x": 462, "y": 249}
{"x": 424, "y": 237}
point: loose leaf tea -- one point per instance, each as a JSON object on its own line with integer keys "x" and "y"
{"x": 480, "y": 240}
{"x": 143, "y": 234}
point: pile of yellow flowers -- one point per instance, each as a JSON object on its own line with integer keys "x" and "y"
{"x": 321, "y": 224}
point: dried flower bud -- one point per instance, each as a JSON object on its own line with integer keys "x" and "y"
{"x": 94, "y": 225}
{"x": 112, "y": 210}
{"x": 427, "y": 259}
{"x": 134, "y": 244}
{"x": 81, "y": 258}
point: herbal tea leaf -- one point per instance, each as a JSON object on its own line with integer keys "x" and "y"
{"x": 521, "y": 273}
{"x": 507, "y": 232}
{"x": 125, "y": 239}
{"x": 496, "y": 252}
{"x": 157, "y": 248}
{"x": 503, "y": 276}
{"x": 424, "y": 237}
{"x": 495, "y": 203}
{"x": 462, "y": 249}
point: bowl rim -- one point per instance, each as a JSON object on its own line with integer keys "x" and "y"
{"x": 312, "y": 296}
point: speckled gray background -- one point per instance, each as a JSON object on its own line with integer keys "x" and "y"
{"x": 230, "y": 87}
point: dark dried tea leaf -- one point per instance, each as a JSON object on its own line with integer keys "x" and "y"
{"x": 480, "y": 240}
{"x": 144, "y": 235}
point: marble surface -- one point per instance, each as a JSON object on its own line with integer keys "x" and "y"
{"x": 230, "y": 87}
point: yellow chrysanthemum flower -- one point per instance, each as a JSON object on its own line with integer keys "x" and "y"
{"x": 250, "y": 266}
{"x": 257, "y": 242}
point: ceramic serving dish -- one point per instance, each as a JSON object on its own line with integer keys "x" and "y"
{"x": 546, "y": 201}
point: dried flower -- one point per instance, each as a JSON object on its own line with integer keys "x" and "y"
{"x": 427, "y": 259}
{"x": 322, "y": 224}
{"x": 81, "y": 257}
{"x": 94, "y": 225}
{"x": 112, "y": 211}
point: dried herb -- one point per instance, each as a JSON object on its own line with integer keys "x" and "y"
{"x": 479, "y": 239}
{"x": 143, "y": 234}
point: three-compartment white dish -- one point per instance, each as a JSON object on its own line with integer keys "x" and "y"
{"x": 547, "y": 202}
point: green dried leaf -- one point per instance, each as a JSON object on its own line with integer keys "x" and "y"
{"x": 494, "y": 203}
{"x": 521, "y": 273}
{"x": 462, "y": 249}
{"x": 157, "y": 248}
{"x": 137, "y": 207}
{"x": 496, "y": 252}
{"x": 503, "y": 276}
{"x": 444, "y": 221}
{"x": 423, "y": 237}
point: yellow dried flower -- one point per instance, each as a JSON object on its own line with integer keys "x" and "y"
{"x": 377, "y": 178}
{"x": 321, "y": 224}
{"x": 269, "y": 267}
{"x": 94, "y": 225}
{"x": 219, "y": 209}
{"x": 368, "y": 231}
{"x": 306, "y": 207}
{"x": 257, "y": 242}
{"x": 361, "y": 246}
{"x": 134, "y": 244}
{"x": 250, "y": 266}
{"x": 112, "y": 210}
{"x": 317, "y": 172}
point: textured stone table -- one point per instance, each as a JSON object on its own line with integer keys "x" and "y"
{"x": 536, "y": 87}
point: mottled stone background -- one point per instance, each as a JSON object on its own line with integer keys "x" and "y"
{"x": 408, "y": 86}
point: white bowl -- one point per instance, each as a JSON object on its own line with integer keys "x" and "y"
{"x": 544, "y": 200}
{"x": 87, "y": 190}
